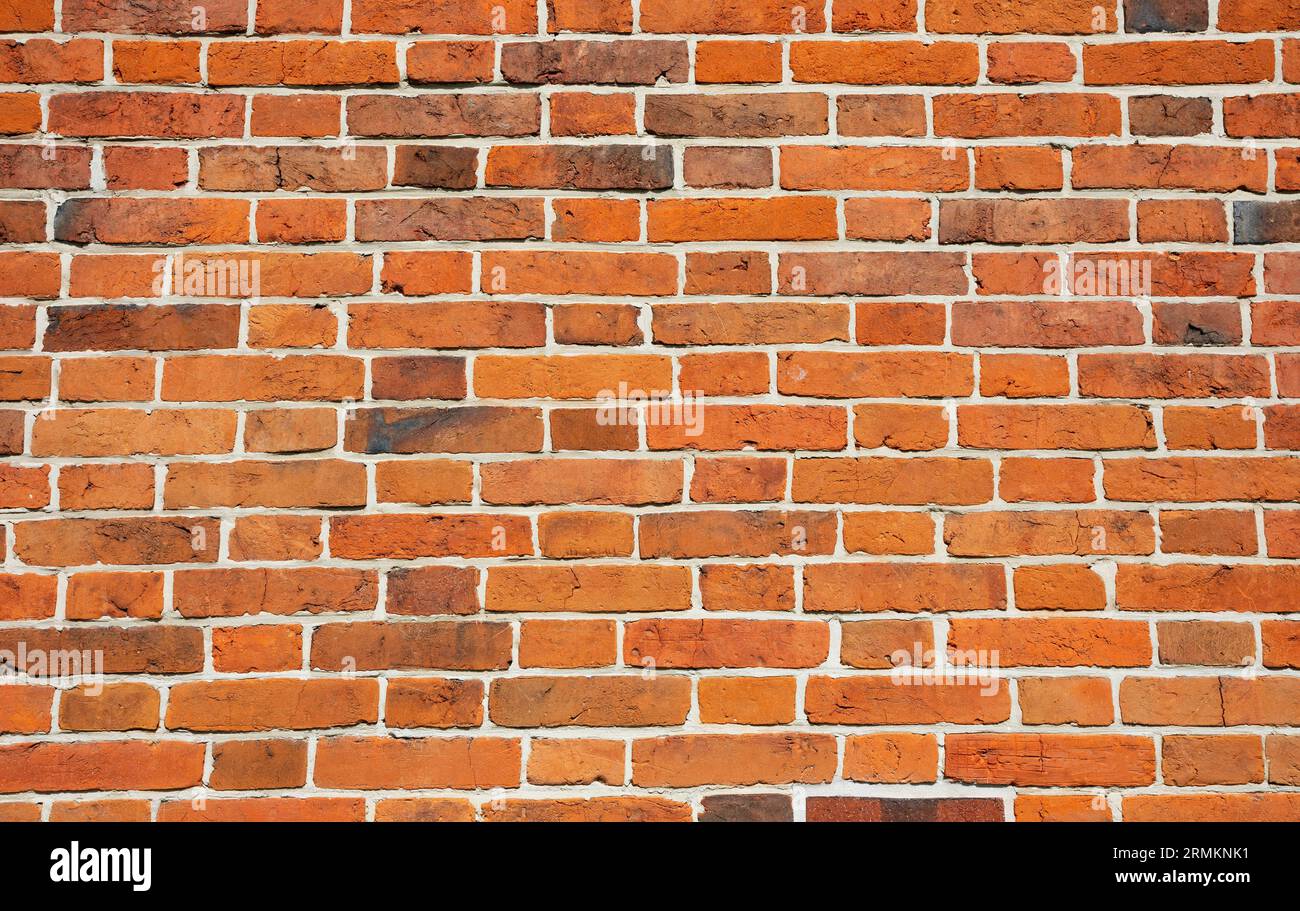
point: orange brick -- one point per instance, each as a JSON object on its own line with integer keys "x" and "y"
{"x": 747, "y": 700}
{"x": 567, "y": 643}
{"x": 891, "y": 758}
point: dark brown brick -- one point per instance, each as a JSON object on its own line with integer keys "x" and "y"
{"x": 449, "y": 218}
{"x": 1169, "y": 115}
{"x": 595, "y": 62}
{"x": 793, "y": 114}
{"x": 1210, "y": 323}
{"x": 418, "y": 377}
{"x": 435, "y": 167}
{"x": 439, "y": 115}
{"x": 471, "y": 429}
{"x": 1166, "y": 15}
{"x": 1266, "y": 222}
{"x": 746, "y": 808}
{"x": 904, "y": 809}
{"x": 121, "y": 327}
{"x": 266, "y": 168}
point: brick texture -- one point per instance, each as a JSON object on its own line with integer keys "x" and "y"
{"x": 867, "y": 410}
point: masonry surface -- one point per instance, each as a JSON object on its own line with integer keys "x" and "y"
{"x": 649, "y": 410}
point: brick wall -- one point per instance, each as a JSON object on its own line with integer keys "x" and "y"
{"x": 650, "y": 409}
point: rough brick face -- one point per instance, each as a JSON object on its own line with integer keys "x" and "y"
{"x": 650, "y": 410}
